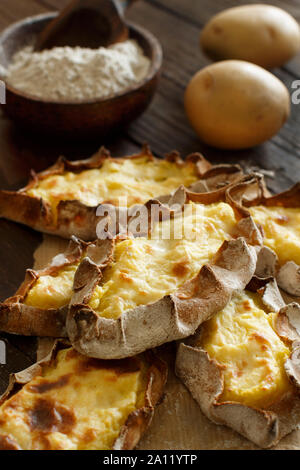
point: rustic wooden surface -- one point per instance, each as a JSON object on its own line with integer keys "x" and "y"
{"x": 177, "y": 24}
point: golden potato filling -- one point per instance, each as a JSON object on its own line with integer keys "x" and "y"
{"x": 52, "y": 291}
{"x": 282, "y": 230}
{"x": 146, "y": 269}
{"x": 138, "y": 180}
{"x": 243, "y": 341}
{"x": 77, "y": 403}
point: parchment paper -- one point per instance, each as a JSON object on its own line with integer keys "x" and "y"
{"x": 178, "y": 423}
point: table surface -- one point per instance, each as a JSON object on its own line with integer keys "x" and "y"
{"x": 164, "y": 126}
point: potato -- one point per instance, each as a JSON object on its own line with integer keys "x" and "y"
{"x": 234, "y": 104}
{"x": 265, "y": 35}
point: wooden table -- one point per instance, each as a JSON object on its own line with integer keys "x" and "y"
{"x": 164, "y": 126}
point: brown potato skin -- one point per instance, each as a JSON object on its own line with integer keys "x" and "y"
{"x": 263, "y": 34}
{"x": 234, "y": 104}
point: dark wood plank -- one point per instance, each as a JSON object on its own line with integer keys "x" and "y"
{"x": 14, "y": 10}
{"x": 177, "y": 24}
{"x": 22, "y": 151}
{"x": 17, "y": 246}
{"x": 165, "y": 124}
{"x": 19, "y": 152}
{"x": 199, "y": 12}
{"x": 196, "y": 12}
{"x": 16, "y": 360}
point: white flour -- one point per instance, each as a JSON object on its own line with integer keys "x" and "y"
{"x": 65, "y": 73}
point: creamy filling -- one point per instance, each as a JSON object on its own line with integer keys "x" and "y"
{"x": 146, "y": 269}
{"x": 242, "y": 339}
{"x": 281, "y": 229}
{"x": 77, "y": 403}
{"x": 117, "y": 182}
{"x": 52, "y": 291}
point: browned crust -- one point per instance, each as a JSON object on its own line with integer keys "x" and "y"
{"x": 75, "y": 218}
{"x": 173, "y": 317}
{"x": 289, "y": 198}
{"x": 179, "y": 314}
{"x": 287, "y": 276}
{"x": 288, "y": 327}
{"x": 203, "y": 376}
{"x": 21, "y": 319}
{"x": 137, "y": 422}
{"x": 174, "y": 205}
{"x": 246, "y": 227}
{"x": 18, "y": 318}
{"x": 252, "y": 191}
{"x": 216, "y": 180}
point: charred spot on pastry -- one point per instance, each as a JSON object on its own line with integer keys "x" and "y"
{"x": 49, "y": 416}
{"x": 125, "y": 277}
{"x": 259, "y": 338}
{"x": 42, "y": 440}
{"x": 180, "y": 269}
{"x": 282, "y": 219}
{"x": 72, "y": 354}
{"x": 89, "y": 436}
{"x": 47, "y": 386}
{"x": 120, "y": 367}
{"x": 246, "y": 305}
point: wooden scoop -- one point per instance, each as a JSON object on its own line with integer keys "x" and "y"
{"x": 86, "y": 23}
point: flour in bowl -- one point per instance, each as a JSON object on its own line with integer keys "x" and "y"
{"x": 74, "y": 74}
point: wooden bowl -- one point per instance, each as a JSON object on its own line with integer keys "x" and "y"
{"x": 91, "y": 118}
